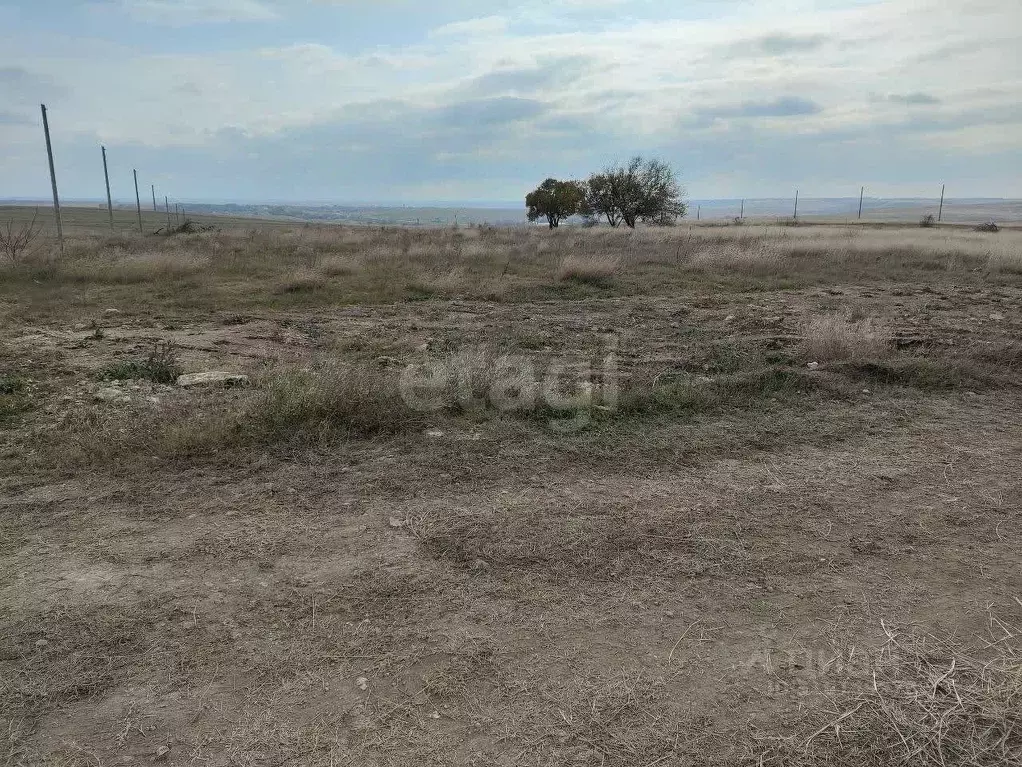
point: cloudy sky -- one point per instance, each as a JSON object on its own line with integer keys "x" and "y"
{"x": 454, "y": 100}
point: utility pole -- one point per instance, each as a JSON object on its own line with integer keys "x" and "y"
{"x": 152, "y": 188}
{"x": 940, "y": 213}
{"x": 53, "y": 179}
{"x": 795, "y": 216}
{"x": 862, "y": 190}
{"x": 109, "y": 200}
{"x": 138, "y": 203}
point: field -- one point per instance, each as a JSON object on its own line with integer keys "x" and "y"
{"x": 740, "y": 495}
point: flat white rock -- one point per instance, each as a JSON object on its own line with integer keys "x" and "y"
{"x": 212, "y": 378}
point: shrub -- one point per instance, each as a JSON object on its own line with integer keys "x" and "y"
{"x": 160, "y": 366}
{"x": 928, "y": 221}
{"x": 989, "y": 226}
{"x": 15, "y": 240}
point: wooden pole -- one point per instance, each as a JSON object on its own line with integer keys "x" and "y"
{"x": 699, "y": 210}
{"x": 940, "y": 213}
{"x": 109, "y": 199}
{"x": 743, "y": 211}
{"x": 862, "y": 191}
{"x": 795, "y": 215}
{"x": 152, "y": 188}
{"x": 166, "y": 204}
{"x": 53, "y": 179}
{"x": 138, "y": 203}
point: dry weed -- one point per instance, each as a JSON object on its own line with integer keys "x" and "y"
{"x": 837, "y": 337}
{"x": 593, "y": 270}
{"x": 754, "y": 258}
{"x": 926, "y": 700}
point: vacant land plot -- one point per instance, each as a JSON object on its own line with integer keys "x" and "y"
{"x": 734, "y": 495}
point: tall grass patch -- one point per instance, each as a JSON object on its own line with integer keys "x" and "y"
{"x": 830, "y": 338}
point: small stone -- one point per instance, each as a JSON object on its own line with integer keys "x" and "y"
{"x": 212, "y": 378}
{"x": 362, "y": 683}
{"x": 813, "y": 365}
{"x": 997, "y": 317}
{"x": 41, "y": 643}
{"x": 111, "y": 312}
{"x": 434, "y": 715}
{"x": 729, "y": 318}
{"x": 162, "y": 752}
{"x": 110, "y": 394}
{"x": 434, "y": 433}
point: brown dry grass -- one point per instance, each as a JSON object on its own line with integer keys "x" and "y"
{"x": 289, "y": 267}
{"x": 320, "y": 569}
{"x": 595, "y": 271}
{"x": 924, "y": 699}
{"x": 838, "y": 337}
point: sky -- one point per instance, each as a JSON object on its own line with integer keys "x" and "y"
{"x": 405, "y": 101}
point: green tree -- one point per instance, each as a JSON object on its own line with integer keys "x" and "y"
{"x": 555, "y": 201}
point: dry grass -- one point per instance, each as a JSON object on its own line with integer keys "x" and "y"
{"x": 590, "y": 270}
{"x": 387, "y": 551}
{"x": 748, "y": 257}
{"x": 925, "y": 700}
{"x": 322, "y": 265}
{"x": 831, "y": 338}
{"x": 1008, "y": 261}
{"x": 345, "y": 400}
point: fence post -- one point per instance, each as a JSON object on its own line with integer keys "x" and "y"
{"x": 742, "y": 217}
{"x": 795, "y": 215}
{"x": 138, "y": 203}
{"x": 940, "y": 213}
{"x": 862, "y": 190}
{"x": 53, "y": 179}
{"x": 109, "y": 200}
{"x": 152, "y": 188}
{"x": 166, "y": 204}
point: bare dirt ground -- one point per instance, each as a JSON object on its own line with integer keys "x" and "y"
{"x": 702, "y": 574}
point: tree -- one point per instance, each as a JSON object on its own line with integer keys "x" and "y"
{"x": 646, "y": 190}
{"x": 554, "y": 200}
{"x": 598, "y": 201}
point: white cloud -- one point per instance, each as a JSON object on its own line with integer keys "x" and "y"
{"x": 913, "y": 72}
{"x": 483, "y": 26}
